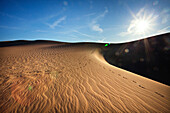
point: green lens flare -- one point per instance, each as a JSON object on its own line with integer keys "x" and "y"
{"x": 29, "y": 88}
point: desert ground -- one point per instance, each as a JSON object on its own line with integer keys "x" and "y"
{"x": 64, "y": 78}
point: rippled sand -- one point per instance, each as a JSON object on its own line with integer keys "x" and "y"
{"x": 67, "y": 78}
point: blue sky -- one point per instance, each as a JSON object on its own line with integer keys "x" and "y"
{"x": 83, "y": 20}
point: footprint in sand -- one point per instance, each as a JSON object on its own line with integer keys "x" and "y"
{"x": 142, "y": 87}
{"x": 85, "y": 65}
{"x": 134, "y": 81}
{"x": 159, "y": 94}
{"x": 124, "y": 77}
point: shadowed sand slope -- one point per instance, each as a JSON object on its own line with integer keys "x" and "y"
{"x": 149, "y": 57}
{"x": 73, "y": 78}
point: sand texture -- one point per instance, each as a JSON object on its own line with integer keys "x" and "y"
{"x": 67, "y": 78}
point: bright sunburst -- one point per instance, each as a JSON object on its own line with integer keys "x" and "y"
{"x": 142, "y": 23}
{"x": 142, "y": 26}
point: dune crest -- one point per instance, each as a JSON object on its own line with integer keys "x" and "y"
{"x": 69, "y": 78}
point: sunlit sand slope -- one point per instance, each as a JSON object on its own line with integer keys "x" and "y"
{"x": 67, "y": 78}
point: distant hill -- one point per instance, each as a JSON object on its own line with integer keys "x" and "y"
{"x": 26, "y": 42}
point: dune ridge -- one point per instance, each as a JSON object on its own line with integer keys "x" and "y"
{"x": 68, "y": 78}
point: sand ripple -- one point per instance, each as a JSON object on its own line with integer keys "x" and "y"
{"x": 73, "y": 79}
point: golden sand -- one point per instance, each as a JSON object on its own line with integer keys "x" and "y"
{"x": 60, "y": 78}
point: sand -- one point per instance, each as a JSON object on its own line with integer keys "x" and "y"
{"x": 66, "y": 78}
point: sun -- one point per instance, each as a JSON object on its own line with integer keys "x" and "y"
{"x": 142, "y": 26}
{"x": 142, "y": 23}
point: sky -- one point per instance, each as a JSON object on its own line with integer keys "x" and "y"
{"x": 106, "y": 21}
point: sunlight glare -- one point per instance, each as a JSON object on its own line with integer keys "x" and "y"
{"x": 142, "y": 26}
{"x": 142, "y": 23}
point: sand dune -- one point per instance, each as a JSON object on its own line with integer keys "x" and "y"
{"x": 73, "y": 78}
